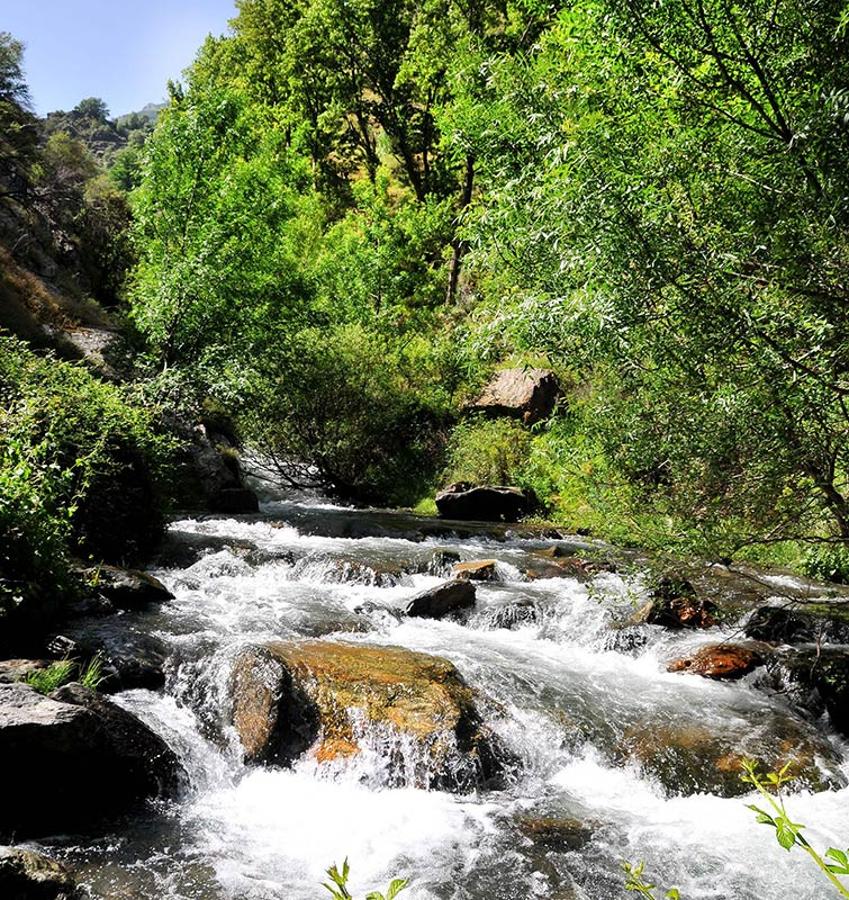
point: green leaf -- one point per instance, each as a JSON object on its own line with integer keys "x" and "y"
{"x": 395, "y": 888}
{"x": 673, "y": 894}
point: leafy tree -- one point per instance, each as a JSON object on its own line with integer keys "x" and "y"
{"x": 18, "y": 132}
{"x": 91, "y": 108}
{"x": 218, "y": 192}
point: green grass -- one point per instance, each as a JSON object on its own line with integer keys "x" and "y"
{"x": 64, "y": 671}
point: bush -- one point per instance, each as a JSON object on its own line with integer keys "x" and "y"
{"x": 78, "y": 464}
{"x": 488, "y": 451}
{"x": 828, "y": 562}
{"x": 343, "y": 407}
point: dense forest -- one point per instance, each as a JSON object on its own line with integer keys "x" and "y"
{"x": 350, "y": 216}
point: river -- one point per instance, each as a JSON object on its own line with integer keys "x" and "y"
{"x": 563, "y": 692}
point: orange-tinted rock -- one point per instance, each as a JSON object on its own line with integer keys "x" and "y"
{"x": 477, "y": 570}
{"x": 290, "y": 697}
{"x": 526, "y": 394}
{"x": 719, "y": 661}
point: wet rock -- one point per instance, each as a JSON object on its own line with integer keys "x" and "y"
{"x": 476, "y": 570}
{"x": 12, "y": 670}
{"x": 815, "y": 679}
{"x": 378, "y": 611}
{"x": 720, "y": 661}
{"x": 442, "y": 600}
{"x": 129, "y": 658}
{"x": 512, "y": 615}
{"x": 691, "y": 758}
{"x": 674, "y": 604}
{"x": 290, "y": 697}
{"x": 75, "y": 758}
{"x": 127, "y": 589}
{"x": 555, "y": 833}
{"x": 442, "y": 562}
{"x": 556, "y": 562}
{"x": 526, "y": 394}
{"x": 27, "y": 875}
{"x": 796, "y": 623}
{"x": 484, "y": 503}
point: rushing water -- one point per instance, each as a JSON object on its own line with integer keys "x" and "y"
{"x": 561, "y": 692}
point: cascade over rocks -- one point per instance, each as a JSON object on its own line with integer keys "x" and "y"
{"x": 719, "y": 661}
{"x": 27, "y": 875}
{"x": 526, "y": 394}
{"x": 815, "y": 679}
{"x": 442, "y": 600}
{"x": 484, "y": 503}
{"x": 73, "y": 757}
{"x": 335, "y": 698}
{"x": 674, "y": 604}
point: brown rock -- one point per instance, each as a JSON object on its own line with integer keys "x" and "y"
{"x": 719, "y": 661}
{"x": 290, "y": 697}
{"x": 526, "y": 394}
{"x": 477, "y": 570}
{"x": 448, "y": 597}
{"x": 674, "y": 604}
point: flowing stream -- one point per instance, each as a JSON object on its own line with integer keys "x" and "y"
{"x": 564, "y": 692}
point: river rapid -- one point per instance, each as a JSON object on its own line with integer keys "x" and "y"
{"x": 564, "y": 693}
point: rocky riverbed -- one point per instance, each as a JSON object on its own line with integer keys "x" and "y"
{"x": 493, "y": 712}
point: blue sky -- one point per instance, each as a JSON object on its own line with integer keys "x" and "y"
{"x": 121, "y": 50}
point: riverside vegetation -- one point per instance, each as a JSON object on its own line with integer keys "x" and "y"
{"x": 349, "y": 220}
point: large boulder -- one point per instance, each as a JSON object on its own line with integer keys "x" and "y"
{"x": 27, "y": 875}
{"x": 414, "y": 711}
{"x": 74, "y": 757}
{"x": 719, "y": 661}
{"x": 442, "y": 600}
{"x": 484, "y": 503}
{"x": 526, "y": 394}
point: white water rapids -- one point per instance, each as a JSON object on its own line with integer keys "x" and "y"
{"x": 559, "y": 693}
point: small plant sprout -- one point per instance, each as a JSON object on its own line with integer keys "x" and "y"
{"x": 634, "y": 882}
{"x": 339, "y": 888}
{"x": 787, "y": 832}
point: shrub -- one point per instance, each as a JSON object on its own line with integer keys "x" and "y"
{"x": 488, "y": 451}
{"x": 343, "y": 407}
{"x": 828, "y": 562}
{"x": 78, "y": 464}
